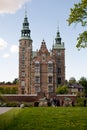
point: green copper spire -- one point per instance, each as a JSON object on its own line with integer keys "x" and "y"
{"x": 25, "y": 32}
{"x": 58, "y": 44}
{"x": 58, "y": 38}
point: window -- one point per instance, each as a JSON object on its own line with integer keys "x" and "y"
{"x": 37, "y": 89}
{"x": 23, "y": 49}
{"x": 50, "y": 79}
{"x": 50, "y": 67}
{"x": 22, "y": 90}
{"x": 37, "y": 66}
{"x": 37, "y": 79}
{"x": 50, "y": 88}
{"x": 59, "y": 70}
{"x": 59, "y": 53}
{"x": 23, "y": 74}
{"x": 22, "y": 83}
{"x": 23, "y": 57}
{"x": 23, "y": 65}
{"x": 58, "y": 80}
{"x": 58, "y": 61}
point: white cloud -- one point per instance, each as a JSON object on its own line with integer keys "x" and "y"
{"x": 3, "y": 43}
{"x": 6, "y": 55}
{"x": 14, "y": 49}
{"x": 11, "y": 6}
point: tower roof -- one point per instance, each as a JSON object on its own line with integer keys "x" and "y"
{"x": 25, "y": 32}
{"x": 58, "y": 44}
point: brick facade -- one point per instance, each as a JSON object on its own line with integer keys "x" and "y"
{"x": 40, "y": 71}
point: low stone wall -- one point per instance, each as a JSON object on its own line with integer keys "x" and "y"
{"x": 35, "y": 98}
{"x": 21, "y": 98}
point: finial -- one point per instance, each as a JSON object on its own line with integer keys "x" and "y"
{"x": 25, "y": 10}
{"x": 43, "y": 40}
{"x": 58, "y": 28}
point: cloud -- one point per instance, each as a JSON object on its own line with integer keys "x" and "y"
{"x": 6, "y": 55}
{"x": 11, "y": 6}
{"x": 14, "y": 49}
{"x": 3, "y": 43}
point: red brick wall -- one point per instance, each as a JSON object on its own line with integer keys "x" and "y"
{"x": 33, "y": 98}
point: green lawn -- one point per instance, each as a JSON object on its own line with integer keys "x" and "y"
{"x": 45, "y": 118}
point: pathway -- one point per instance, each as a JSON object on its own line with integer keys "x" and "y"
{"x": 4, "y": 109}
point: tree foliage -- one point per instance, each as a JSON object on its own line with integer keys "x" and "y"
{"x": 9, "y": 89}
{"x": 83, "y": 82}
{"x": 62, "y": 90}
{"x": 78, "y": 14}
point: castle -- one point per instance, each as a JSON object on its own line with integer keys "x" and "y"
{"x": 40, "y": 71}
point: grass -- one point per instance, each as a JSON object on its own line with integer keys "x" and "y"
{"x": 45, "y": 118}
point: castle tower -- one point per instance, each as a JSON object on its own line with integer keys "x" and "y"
{"x": 58, "y": 52}
{"x": 25, "y": 56}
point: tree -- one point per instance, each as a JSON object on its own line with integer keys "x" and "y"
{"x": 15, "y": 81}
{"x": 78, "y": 14}
{"x": 62, "y": 90}
{"x": 83, "y": 82}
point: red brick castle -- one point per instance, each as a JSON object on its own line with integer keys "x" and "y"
{"x": 40, "y": 71}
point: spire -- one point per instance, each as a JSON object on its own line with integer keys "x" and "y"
{"x": 58, "y": 38}
{"x": 25, "y": 32}
{"x": 58, "y": 44}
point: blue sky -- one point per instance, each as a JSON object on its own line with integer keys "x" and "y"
{"x": 44, "y": 17}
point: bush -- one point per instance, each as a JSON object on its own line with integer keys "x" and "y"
{"x": 28, "y": 104}
{"x": 9, "y": 89}
{"x": 62, "y": 90}
{"x": 81, "y": 102}
{"x": 12, "y": 104}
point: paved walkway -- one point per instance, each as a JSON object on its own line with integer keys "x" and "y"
{"x": 4, "y": 109}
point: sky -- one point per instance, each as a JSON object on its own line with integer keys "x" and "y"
{"x": 44, "y": 16}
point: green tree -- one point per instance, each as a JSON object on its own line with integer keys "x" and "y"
{"x": 62, "y": 89}
{"x": 78, "y": 14}
{"x": 83, "y": 82}
{"x": 15, "y": 81}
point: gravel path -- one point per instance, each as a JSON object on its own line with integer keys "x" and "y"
{"x": 4, "y": 109}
